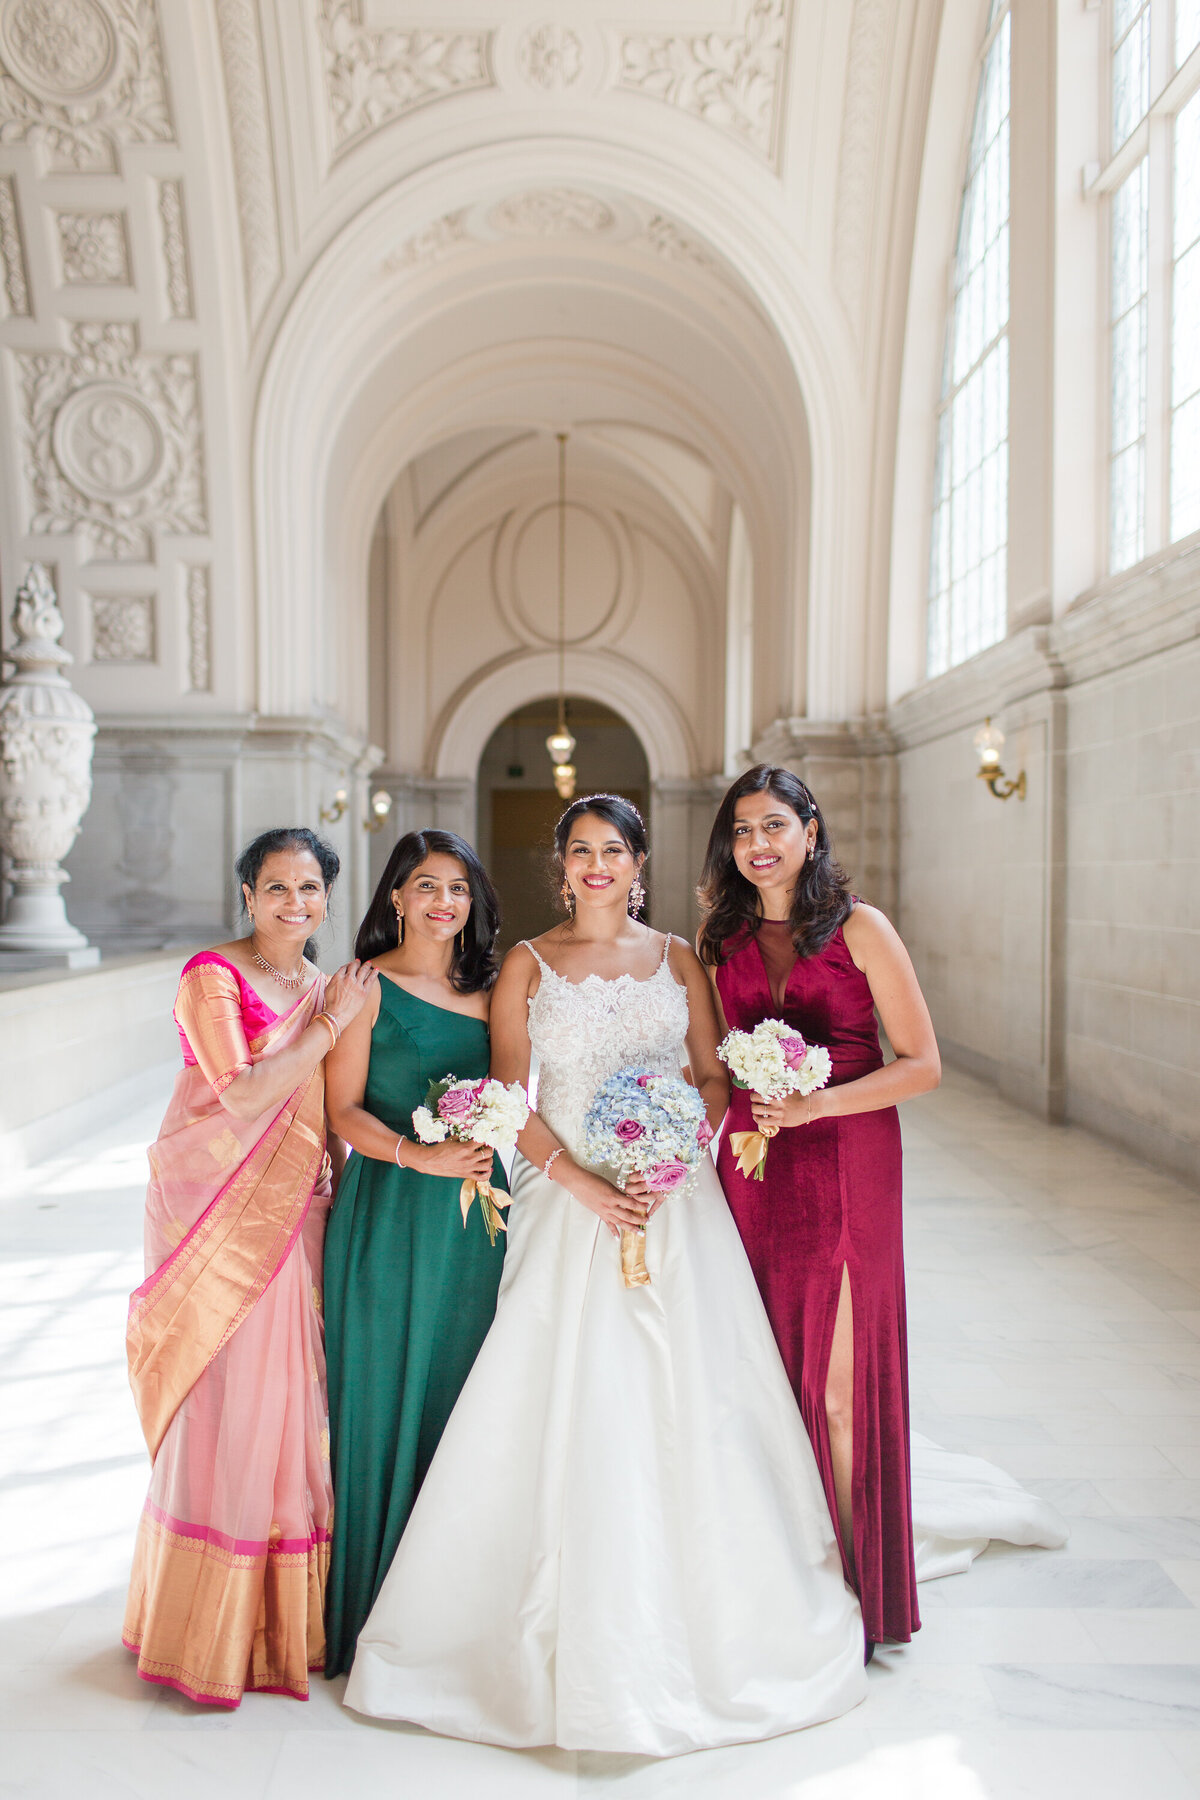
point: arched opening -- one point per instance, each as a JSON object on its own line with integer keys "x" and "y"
{"x": 518, "y": 807}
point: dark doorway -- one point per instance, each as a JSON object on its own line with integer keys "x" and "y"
{"x": 518, "y": 807}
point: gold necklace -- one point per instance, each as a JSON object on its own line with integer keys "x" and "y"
{"x": 287, "y": 981}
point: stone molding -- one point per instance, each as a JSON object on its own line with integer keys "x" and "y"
{"x": 81, "y": 79}
{"x": 112, "y": 443}
{"x": 438, "y": 240}
{"x": 12, "y": 251}
{"x": 732, "y": 80}
{"x": 178, "y": 279}
{"x": 253, "y": 156}
{"x": 1154, "y": 611}
{"x": 550, "y": 57}
{"x": 94, "y": 248}
{"x": 552, "y": 212}
{"x": 122, "y": 628}
{"x": 198, "y": 627}
{"x": 791, "y": 740}
{"x": 373, "y": 76}
{"x": 1011, "y": 671}
{"x": 866, "y": 81}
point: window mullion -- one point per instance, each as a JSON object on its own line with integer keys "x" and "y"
{"x": 1158, "y": 373}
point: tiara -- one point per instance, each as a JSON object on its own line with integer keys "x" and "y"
{"x": 583, "y": 800}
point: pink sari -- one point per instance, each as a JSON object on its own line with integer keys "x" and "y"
{"x": 227, "y": 1363}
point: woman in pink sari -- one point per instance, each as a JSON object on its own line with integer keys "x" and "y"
{"x": 225, "y": 1337}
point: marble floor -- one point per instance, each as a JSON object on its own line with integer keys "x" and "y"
{"x": 1054, "y": 1293}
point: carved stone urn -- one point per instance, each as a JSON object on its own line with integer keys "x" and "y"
{"x": 46, "y": 734}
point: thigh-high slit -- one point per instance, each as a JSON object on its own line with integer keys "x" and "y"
{"x": 831, "y": 1200}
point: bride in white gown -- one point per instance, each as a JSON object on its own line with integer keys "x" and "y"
{"x": 623, "y": 1541}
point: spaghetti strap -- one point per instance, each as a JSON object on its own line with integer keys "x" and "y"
{"x": 666, "y": 951}
{"x": 540, "y": 961}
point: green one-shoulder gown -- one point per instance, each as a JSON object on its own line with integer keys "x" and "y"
{"x": 409, "y": 1296}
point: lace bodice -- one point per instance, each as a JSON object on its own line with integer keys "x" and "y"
{"x": 584, "y": 1031}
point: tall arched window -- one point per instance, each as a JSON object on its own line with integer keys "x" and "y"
{"x": 1152, "y": 178}
{"x": 968, "y": 574}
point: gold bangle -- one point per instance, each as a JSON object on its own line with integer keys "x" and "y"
{"x": 324, "y": 1018}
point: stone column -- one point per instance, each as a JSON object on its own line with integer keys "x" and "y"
{"x": 46, "y": 734}
{"x": 45, "y": 783}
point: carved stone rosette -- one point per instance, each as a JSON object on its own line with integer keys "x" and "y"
{"x": 46, "y": 734}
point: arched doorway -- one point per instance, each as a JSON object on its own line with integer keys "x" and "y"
{"x": 518, "y": 807}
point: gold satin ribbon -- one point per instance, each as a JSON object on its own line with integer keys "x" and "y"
{"x": 633, "y": 1259}
{"x": 490, "y": 1201}
{"x": 750, "y": 1148}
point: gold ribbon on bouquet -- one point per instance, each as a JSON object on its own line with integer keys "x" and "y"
{"x": 750, "y": 1148}
{"x": 633, "y": 1259}
{"x": 490, "y": 1201}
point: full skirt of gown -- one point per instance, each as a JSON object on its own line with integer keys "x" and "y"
{"x": 623, "y": 1542}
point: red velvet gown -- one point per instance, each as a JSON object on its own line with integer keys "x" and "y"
{"x": 831, "y": 1198}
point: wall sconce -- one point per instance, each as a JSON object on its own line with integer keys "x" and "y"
{"x": 331, "y": 815}
{"x": 381, "y": 806}
{"x": 989, "y": 742}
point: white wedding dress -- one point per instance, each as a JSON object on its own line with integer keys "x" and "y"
{"x": 623, "y": 1542}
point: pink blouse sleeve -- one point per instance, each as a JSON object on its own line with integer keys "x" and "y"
{"x": 208, "y": 1010}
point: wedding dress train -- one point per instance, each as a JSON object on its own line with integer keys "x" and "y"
{"x": 623, "y": 1541}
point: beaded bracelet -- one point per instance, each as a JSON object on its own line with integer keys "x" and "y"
{"x": 549, "y": 1162}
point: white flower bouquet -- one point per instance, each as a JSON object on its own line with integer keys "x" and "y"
{"x": 772, "y": 1061}
{"x": 483, "y": 1112}
{"x": 651, "y": 1125}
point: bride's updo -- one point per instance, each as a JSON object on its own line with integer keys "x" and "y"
{"x": 616, "y": 811}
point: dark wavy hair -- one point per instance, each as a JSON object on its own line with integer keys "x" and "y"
{"x": 730, "y": 904}
{"x": 249, "y": 864}
{"x": 616, "y": 811}
{"x": 472, "y": 968}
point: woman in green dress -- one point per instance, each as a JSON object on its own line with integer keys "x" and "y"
{"x": 409, "y": 1291}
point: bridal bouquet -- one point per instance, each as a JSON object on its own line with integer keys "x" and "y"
{"x": 485, "y": 1112}
{"x": 773, "y": 1060}
{"x": 651, "y": 1125}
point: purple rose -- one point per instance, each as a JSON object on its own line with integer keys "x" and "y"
{"x": 704, "y": 1134}
{"x": 629, "y": 1131}
{"x": 794, "y": 1051}
{"x": 666, "y": 1175}
{"x": 456, "y": 1103}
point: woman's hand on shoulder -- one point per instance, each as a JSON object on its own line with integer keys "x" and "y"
{"x": 348, "y": 991}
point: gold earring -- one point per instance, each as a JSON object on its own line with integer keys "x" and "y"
{"x": 566, "y": 895}
{"x": 399, "y": 927}
{"x": 462, "y": 941}
{"x": 637, "y": 897}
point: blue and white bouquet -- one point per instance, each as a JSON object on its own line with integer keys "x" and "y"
{"x": 646, "y": 1124}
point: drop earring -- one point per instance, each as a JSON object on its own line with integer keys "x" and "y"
{"x": 462, "y": 941}
{"x": 637, "y": 897}
{"x": 399, "y": 928}
{"x": 566, "y": 896}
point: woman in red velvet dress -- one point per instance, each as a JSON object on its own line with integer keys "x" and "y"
{"x": 783, "y": 938}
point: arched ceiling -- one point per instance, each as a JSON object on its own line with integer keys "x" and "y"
{"x": 684, "y": 224}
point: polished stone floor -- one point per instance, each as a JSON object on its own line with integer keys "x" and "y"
{"x": 1054, "y": 1295}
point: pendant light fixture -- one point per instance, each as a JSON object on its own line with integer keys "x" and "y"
{"x": 560, "y": 743}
